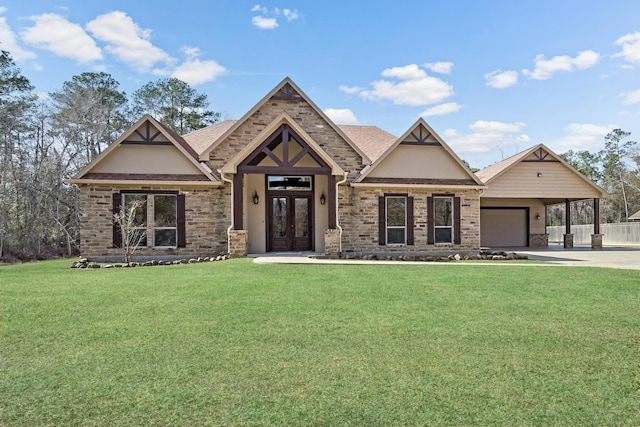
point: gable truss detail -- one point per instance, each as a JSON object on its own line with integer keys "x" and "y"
{"x": 146, "y": 138}
{"x": 541, "y": 156}
{"x": 422, "y": 138}
{"x": 285, "y": 163}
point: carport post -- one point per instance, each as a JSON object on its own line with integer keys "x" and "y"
{"x": 596, "y": 237}
{"x": 568, "y": 237}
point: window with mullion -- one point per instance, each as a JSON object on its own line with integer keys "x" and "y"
{"x": 443, "y": 219}
{"x": 140, "y": 217}
{"x": 396, "y": 220}
{"x": 165, "y": 230}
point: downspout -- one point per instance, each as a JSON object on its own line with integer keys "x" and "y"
{"x": 346, "y": 174}
{"x": 231, "y": 226}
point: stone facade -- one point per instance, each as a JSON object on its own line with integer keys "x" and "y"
{"x": 359, "y": 220}
{"x": 332, "y": 242}
{"x": 568, "y": 241}
{"x": 538, "y": 240}
{"x": 238, "y": 243}
{"x": 306, "y": 117}
{"x": 207, "y": 219}
{"x": 596, "y": 241}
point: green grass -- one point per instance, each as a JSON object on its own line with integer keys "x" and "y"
{"x": 235, "y": 343}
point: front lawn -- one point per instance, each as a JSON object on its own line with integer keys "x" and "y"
{"x": 235, "y": 343}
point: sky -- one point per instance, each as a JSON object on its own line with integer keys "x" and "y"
{"x": 492, "y": 78}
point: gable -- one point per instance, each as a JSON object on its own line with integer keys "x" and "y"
{"x": 282, "y": 144}
{"x": 538, "y": 173}
{"x": 420, "y": 157}
{"x": 285, "y": 99}
{"x": 147, "y": 152}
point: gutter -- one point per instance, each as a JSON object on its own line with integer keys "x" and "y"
{"x": 231, "y": 226}
{"x": 346, "y": 174}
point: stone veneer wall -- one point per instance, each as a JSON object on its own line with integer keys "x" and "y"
{"x": 332, "y": 241}
{"x": 305, "y": 116}
{"x": 359, "y": 220}
{"x": 538, "y": 240}
{"x": 207, "y": 218}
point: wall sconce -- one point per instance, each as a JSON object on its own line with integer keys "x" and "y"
{"x": 537, "y": 217}
{"x": 323, "y": 199}
{"x": 256, "y": 198}
{"x": 539, "y": 174}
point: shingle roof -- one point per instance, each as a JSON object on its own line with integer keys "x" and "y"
{"x": 201, "y": 139}
{"x": 488, "y": 173}
{"x": 372, "y": 140}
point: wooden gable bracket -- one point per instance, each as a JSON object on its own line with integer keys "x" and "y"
{"x": 146, "y": 138}
{"x": 540, "y": 156}
{"x": 421, "y": 138}
{"x": 265, "y": 149}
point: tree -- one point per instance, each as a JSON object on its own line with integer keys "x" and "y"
{"x": 129, "y": 223}
{"x": 16, "y": 105}
{"x": 174, "y": 103}
{"x": 88, "y": 114}
{"x": 617, "y": 173}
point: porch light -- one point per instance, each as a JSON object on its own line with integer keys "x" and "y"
{"x": 539, "y": 174}
{"x": 322, "y": 199}
{"x": 256, "y": 198}
{"x": 537, "y": 217}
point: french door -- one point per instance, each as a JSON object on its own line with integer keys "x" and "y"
{"x": 289, "y": 223}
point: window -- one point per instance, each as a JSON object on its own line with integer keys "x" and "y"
{"x": 289, "y": 183}
{"x": 443, "y": 219}
{"x": 140, "y": 200}
{"x": 396, "y": 220}
{"x": 160, "y": 215}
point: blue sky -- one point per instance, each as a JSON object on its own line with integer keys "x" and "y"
{"x": 490, "y": 77}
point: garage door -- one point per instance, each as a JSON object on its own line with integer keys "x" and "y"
{"x": 504, "y": 227}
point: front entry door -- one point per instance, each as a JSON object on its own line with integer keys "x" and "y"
{"x": 290, "y": 225}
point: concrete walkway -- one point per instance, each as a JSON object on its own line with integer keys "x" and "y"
{"x": 608, "y": 257}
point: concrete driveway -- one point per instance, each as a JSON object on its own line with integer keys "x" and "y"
{"x": 608, "y": 257}
{"x": 627, "y": 257}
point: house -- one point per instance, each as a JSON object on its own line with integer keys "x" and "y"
{"x": 285, "y": 178}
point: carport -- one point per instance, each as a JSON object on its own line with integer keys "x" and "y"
{"x": 519, "y": 188}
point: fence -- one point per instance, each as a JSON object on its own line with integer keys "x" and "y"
{"x": 626, "y": 233}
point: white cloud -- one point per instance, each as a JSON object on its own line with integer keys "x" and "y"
{"x": 491, "y": 127}
{"x": 440, "y": 67}
{"x": 631, "y": 97}
{"x": 266, "y": 19}
{"x": 441, "y": 109}
{"x": 54, "y": 33}
{"x": 264, "y": 23}
{"x": 127, "y": 41}
{"x": 582, "y": 136}
{"x": 630, "y": 47}
{"x": 408, "y": 85}
{"x": 195, "y": 71}
{"x": 8, "y": 41}
{"x": 501, "y": 79}
{"x": 290, "y": 14}
{"x": 546, "y": 67}
{"x": 341, "y": 116}
{"x": 487, "y": 136}
{"x": 350, "y": 89}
